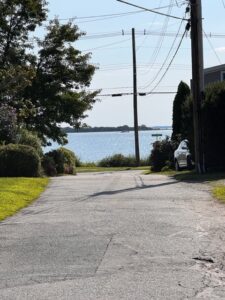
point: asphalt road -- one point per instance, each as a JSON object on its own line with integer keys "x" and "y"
{"x": 115, "y": 236}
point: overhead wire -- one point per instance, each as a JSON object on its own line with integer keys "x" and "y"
{"x": 106, "y": 45}
{"x": 211, "y": 46}
{"x": 159, "y": 44}
{"x": 146, "y": 36}
{"x": 151, "y": 10}
{"x": 131, "y": 93}
{"x": 171, "y": 61}
{"x": 166, "y": 59}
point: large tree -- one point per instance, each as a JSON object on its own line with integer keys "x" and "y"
{"x": 17, "y": 20}
{"x": 58, "y": 89}
{"x": 49, "y": 87}
{"x": 179, "y": 111}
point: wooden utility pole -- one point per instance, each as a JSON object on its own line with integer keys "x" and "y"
{"x": 197, "y": 80}
{"x": 137, "y": 153}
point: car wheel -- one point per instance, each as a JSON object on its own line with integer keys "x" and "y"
{"x": 177, "y": 167}
{"x": 189, "y": 163}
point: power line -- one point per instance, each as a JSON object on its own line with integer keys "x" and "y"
{"x": 106, "y": 45}
{"x": 152, "y": 23}
{"x": 142, "y": 32}
{"x": 167, "y": 57}
{"x": 139, "y": 94}
{"x": 111, "y": 15}
{"x": 168, "y": 67}
{"x": 161, "y": 39}
{"x": 210, "y": 44}
{"x": 151, "y": 10}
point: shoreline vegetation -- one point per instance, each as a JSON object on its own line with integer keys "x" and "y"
{"x": 124, "y": 128}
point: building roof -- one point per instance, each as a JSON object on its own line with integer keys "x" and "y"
{"x": 215, "y": 69}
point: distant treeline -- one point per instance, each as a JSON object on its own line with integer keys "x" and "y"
{"x": 123, "y": 128}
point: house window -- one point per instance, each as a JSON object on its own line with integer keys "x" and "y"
{"x": 222, "y": 75}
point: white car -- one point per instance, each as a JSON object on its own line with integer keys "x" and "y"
{"x": 182, "y": 156}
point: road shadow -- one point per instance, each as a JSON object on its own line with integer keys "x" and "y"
{"x": 136, "y": 188}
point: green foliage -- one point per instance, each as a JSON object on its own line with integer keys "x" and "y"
{"x": 69, "y": 161}
{"x": 49, "y": 87}
{"x": 162, "y": 155}
{"x": 49, "y": 165}
{"x": 8, "y": 124}
{"x": 18, "y": 19}
{"x": 60, "y": 161}
{"x": 179, "y": 112}
{"x": 19, "y": 160}
{"x": 29, "y": 138}
{"x": 58, "y": 89}
{"x": 213, "y": 112}
{"x": 119, "y": 160}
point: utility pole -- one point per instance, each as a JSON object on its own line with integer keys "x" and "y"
{"x": 197, "y": 80}
{"x": 136, "y": 137}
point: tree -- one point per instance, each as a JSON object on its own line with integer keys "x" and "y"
{"x": 48, "y": 88}
{"x": 58, "y": 88}
{"x": 179, "y": 107}
{"x": 213, "y": 112}
{"x": 8, "y": 124}
{"x": 17, "y": 19}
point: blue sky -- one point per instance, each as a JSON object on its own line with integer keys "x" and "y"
{"x": 113, "y": 55}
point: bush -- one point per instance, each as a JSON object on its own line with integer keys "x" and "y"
{"x": 162, "y": 155}
{"x": 70, "y": 159}
{"x": 19, "y": 161}
{"x": 60, "y": 161}
{"x": 213, "y": 112}
{"x": 29, "y": 138}
{"x": 119, "y": 160}
{"x": 49, "y": 166}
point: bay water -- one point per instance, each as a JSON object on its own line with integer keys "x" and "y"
{"x": 93, "y": 146}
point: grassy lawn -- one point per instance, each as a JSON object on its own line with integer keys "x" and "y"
{"x": 216, "y": 180}
{"x": 219, "y": 192}
{"x": 17, "y": 193}
{"x": 100, "y": 169}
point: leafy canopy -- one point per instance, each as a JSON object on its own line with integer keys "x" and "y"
{"x": 49, "y": 87}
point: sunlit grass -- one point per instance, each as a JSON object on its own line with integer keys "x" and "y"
{"x": 219, "y": 192}
{"x": 108, "y": 169}
{"x": 17, "y": 193}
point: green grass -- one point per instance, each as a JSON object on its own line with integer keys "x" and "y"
{"x": 17, "y": 193}
{"x": 215, "y": 179}
{"x": 218, "y": 192}
{"x": 104, "y": 169}
{"x": 191, "y": 176}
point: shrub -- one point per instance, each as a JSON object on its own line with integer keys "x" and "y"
{"x": 49, "y": 166}
{"x": 119, "y": 160}
{"x": 58, "y": 158}
{"x": 69, "y": 161}
{"x": 162, "y": 155}
{"x": 60, "y": 161}
{"x": 29, "y": 138}
{"x": 19, "y": 161}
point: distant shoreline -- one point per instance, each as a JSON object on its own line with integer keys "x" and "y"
{"x": 121, "y": 129}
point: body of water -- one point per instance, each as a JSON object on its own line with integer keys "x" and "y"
{"x": 93, "y": 146}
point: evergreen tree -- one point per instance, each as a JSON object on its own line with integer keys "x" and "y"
{"x": 179, "y": 111}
